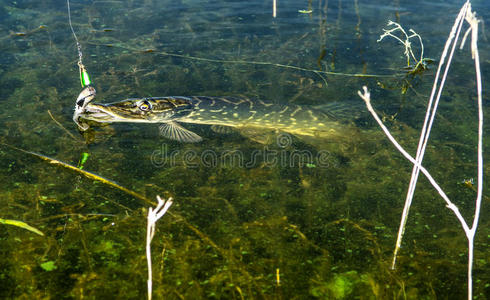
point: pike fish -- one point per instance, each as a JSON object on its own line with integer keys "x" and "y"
{"x": 242, "y": 113}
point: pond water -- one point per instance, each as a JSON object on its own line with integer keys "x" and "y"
{"x": 256, "y": 215}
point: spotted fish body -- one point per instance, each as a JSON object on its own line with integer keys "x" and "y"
{"x": 242, "y": 113}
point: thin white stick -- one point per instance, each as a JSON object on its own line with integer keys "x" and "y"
{"x": 473, "y": 21}
{"x": 153, "y": 216}
{"x": 274, "y": 10}
{"x": 470, "y": 17}
{"x": 367, "y": 98}
{"x": 429, "y": 119}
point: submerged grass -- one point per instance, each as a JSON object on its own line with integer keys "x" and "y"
{"x": 21, "y": 225}
{"x": 268, "y": 231}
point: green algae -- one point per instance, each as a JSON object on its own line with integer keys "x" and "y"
{"x": 48, "y": 266}
{"x": 343, "y": 285}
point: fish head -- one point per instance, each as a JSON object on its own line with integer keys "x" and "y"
{"x": 142, "y": 110}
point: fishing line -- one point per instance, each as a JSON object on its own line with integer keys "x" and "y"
{"x": 79, "y": 47}
{"x": 84, "y": 78}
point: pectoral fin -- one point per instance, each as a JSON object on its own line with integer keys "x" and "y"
{"x": 174, "y": 131}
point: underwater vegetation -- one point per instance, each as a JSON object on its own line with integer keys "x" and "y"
{"x": 282, "y": 227}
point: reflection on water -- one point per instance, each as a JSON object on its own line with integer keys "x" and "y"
{"x": 292, "y": 218}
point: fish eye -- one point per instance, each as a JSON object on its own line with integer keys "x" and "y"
{"x": 145, "y": 106}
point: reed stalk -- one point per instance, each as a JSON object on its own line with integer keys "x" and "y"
{"x": 465, "y": 14}
{"x": 153, "y": 216}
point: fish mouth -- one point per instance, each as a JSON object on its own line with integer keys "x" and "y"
{"x": 97, "y": 113}
{"x": 103, "y": 113}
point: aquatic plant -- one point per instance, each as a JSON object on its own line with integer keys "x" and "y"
{"x": 465, "y": 14}
{"x": 153, "y": 216}
{"x": 405, "y": 41}
{"x": 21, "y": 225}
